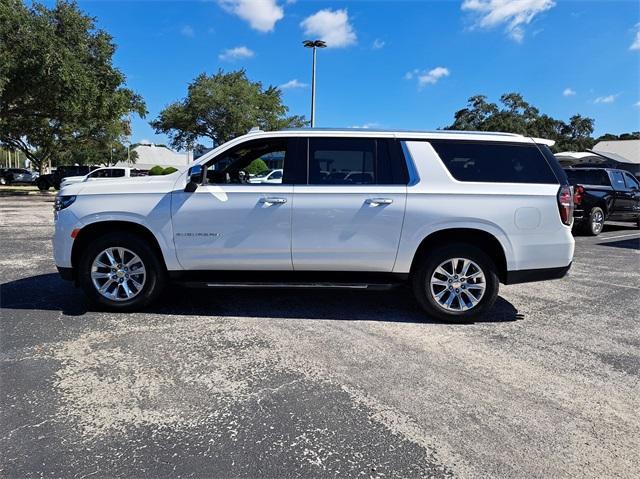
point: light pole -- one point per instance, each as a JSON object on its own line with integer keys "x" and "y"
{"x": 313, "y": 44}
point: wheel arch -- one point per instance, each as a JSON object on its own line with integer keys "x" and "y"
{"x": 97, "y": 229}
{"x": 477, "y": 237}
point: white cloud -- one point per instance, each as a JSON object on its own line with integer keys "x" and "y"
{"x": 262, "y": 15}
{"x": 568, "y": 92}
{"x": 331, "y": 26}
{"x": 367, "y": 126}
{"x": 187, "y": 31}
{"x": 637, "y": 104}
{"x": 636, "y": 43}
{"x": 291, "y": 84}
{"x": 237, "y": 53}
{"x": 514, "y": 13}
{"x": 378, "y": 44}
{"x": 606, "y": 99}
{"x": 430, "y": 77}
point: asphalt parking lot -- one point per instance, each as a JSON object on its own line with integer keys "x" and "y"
{"x": 222, "y": 383}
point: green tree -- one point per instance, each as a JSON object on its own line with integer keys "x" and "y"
{"x": 59, "y": 91}
{"x": 515, "y": 115}
{"x": 256, "y": 166}
{"x": 221, "y": 107}
{"x": 635, "y": 135}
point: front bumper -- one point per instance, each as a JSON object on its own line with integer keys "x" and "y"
{"x": 531, "y": 275}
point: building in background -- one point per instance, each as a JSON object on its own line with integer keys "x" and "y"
{"x": 150, "y": 155}
{"x": 621, "y": 154}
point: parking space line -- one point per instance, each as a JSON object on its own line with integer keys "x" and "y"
{"x": 619, "y": 236}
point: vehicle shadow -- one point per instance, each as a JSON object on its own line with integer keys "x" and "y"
{"x": 632, "y": 243}
{"x": 397, "y": 305}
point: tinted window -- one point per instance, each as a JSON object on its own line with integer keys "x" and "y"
{"x": 493, "y": 162}
{"x": 354, "y": 161}
{"x": 588, "y": 177}
{"x": 617, "y": 180}
{"x": 631, "y": 181}
{"x": 117, "y": 173}
{"x": 247, "y": 163}
{"x": 101, "y": 174}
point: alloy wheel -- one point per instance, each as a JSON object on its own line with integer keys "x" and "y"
{"x": 458, "y": 284}
{"x": 118, "y": 274}
{"x": 597, "y": 222}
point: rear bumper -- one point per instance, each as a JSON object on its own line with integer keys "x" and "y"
{"x": 531, "y": 275}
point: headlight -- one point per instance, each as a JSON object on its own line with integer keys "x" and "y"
{"x": 63, "y": 202}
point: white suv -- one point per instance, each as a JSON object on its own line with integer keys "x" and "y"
{"x": 451, "y": 213}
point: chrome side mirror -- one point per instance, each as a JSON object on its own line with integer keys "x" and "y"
{"x": 195, "y": 178}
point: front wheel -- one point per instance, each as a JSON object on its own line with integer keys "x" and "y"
{"x": 456, "y": 283}
{"x": 121, "y": 272}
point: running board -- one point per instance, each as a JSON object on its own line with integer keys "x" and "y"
{"x": 295, "y": 285}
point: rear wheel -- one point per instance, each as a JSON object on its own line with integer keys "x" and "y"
{"x": 42, "y": 184}
{"x": 121, "y": 272}
{"x": 456, "y": 283}
{"x": 595, "y": 222}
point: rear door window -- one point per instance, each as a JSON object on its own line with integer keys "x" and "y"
{"x": 355, "y": 161}
{"x": 617, "y": 180}
{"x": 495, "y": 162}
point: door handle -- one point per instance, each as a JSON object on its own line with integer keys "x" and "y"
{"x": 273, "y": 201}
{"x": 379, "y": 201}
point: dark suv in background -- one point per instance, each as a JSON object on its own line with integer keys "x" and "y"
{"x": 54, "y": 179}
{"x": 602, "y": 194}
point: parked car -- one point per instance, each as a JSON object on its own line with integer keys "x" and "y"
{"x": 10, "y": 176}
{"x": 267, "y": 176}
{"x": 44, "y": 182}
{"x": 98, "y": 174}
{"x": 602, "y": 194}
{"x": 453, "y": 214}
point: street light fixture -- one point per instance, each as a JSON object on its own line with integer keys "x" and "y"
{"x": 314, "y": 44}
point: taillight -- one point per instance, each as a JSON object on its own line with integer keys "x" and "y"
{"x": 577, "y": 195}
{"x": 565, "y": 204}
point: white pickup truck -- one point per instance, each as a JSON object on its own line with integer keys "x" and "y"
{"x": 451, "y": 213}
{"x": 109, "y": 172}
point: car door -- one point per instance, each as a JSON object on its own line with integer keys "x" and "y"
{"x": 633, "y": 192}
{"x": 348, "y": 217}
{"x": 228, "y": 223}
{"x": 622, "y": 208}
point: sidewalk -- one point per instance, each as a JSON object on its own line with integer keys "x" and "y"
{"x": 19, "y": 190}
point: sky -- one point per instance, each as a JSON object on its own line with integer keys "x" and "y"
{"x": 389, "y": 64}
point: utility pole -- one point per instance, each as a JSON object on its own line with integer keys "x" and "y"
{"x": 313, "y": 44}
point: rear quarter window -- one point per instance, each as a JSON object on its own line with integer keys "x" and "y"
{"x": 495, "y": 162}
{"x": 588, "y": 177}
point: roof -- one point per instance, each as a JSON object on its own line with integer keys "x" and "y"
{"x": 150, "y": 155}
{"x": 627, "y": 151}
{"x": 404, "y": 134}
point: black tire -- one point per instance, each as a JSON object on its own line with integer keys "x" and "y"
{"x": 421, "y": 282}
{"x": 155, "y": 271}
{"x": 42, "y": 184}
{"x": 594, "y": 224}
